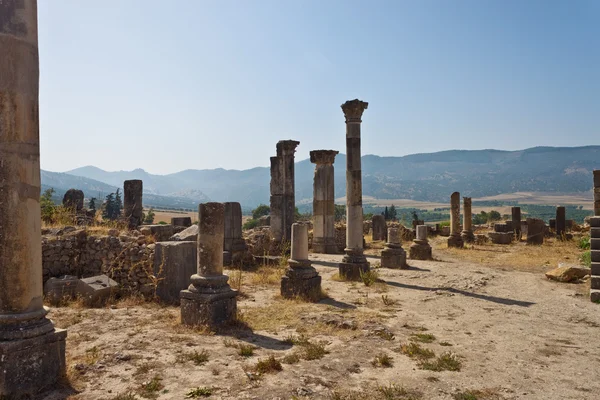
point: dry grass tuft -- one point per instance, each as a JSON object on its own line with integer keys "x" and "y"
{"x": 269, "y": 365}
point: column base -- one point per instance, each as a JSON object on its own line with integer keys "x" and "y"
{"x": 304, "y": 283}
{"x": 28, "y": 366}
{"x": 208, "y": 309}
{"x": 324, "y": 246}
{"x": 467, "y": 236}
{"x": 456, "y": 241}
{"x": 353, "y": 264}
{"x": 394, "y": 258}
{"x": 420, "y": 251}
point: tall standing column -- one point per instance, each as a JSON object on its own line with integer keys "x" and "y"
{"x": 323, "y": 202}
{"x": 132, "y": 202}
{"x": 561, "y": 222}
{"x": 32, "y": 352}
{"x": 283, "y": 199}
{"x": 516, "y": 222}
{"x": 354, "y": 261}
{"x": 467, "y": 233}
{"x": 209, "y": 300}
{"x": 455, "y": 240}
{"x": 597, "y": 193}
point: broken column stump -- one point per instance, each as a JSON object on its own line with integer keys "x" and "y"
{"x": 301, "y": 280}
{"x": 393, "y": 255}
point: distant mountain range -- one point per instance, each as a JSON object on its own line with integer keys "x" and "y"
{"x": 425, "y": 177}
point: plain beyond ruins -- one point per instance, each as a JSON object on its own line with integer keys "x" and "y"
{"x": 333, "y": 309}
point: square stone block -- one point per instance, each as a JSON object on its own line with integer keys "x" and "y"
{"x": 174, "y": 264}
{"x": 420, "y": 252}
{"x": 60, "y": 289}
{"x": 393, "y": 258}
{"x": 308, "y": 289}
{"x": 595, "y": 243}
{"x": 595, "y": 295}
{"x": 595, "y": 281}
{"x": 595, "y": 255}
{"x": 595, "y": 233}
{"x": 595, "y": 222}
{"x": 208, "y": 309}
{"x": 28, "y": 366}
{"x": 595, "y": 269}
{"x": 95, "y": 291}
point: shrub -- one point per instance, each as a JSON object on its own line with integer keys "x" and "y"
{"x": 584, "y": 243}
{"x": 250, "y": 224}
{"x": 260, "y": 211}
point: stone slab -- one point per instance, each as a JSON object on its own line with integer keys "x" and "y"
{"x": 96, "y": 290}
{"x": 208, "y": 309}
{"x": 28, "y": 366}
{"x": 174, "y": 263}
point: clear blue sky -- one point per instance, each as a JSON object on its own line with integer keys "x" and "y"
{"x": 173, "y": 85}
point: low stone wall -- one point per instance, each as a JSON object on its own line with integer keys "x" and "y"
{"x": 128, "y": 259}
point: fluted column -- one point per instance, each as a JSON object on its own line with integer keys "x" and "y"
{"x": 354, "y": 261}
{"x": 23, "y": 322}
{"x": 323, "y": 201}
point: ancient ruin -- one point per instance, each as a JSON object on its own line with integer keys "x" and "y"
{"x": 467, "y": 233}
{"x": 455, "y": 240}
{"x": 597, "y": 192}
{"x": 516, "y": 222}
{"x": 32, "y": 351}
{"x": 186, "y": 222}
{"x": 209, "y": 300}
{"x": 174, "y": 263}
{"x": 595, "y": 256}
{"x": 420, "y": 249}
{"x": 234, "y": 246}
{"x": 379, "y": 227}
{"x": 393, "y": 255}
{"x": 535, "y": 231}
{"x": 73, "y": 199}
{"x": 301, "y": 280}
{"x": 283, "y": 198}
{"x": 132, "y": 202}
{"x": 354, "y": 260}
{"x": 323, "y": 202}
{"x": 561, "y": 222}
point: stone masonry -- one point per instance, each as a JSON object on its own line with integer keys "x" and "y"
{"x": 323, "y": 202}
{"x": 379, "y": 227}
{"x": 393, "y": 255}
{"x": 595, "y": 250}
{"x": 132, "y": 203}
{"x": 420, "y": 248}
{"x": 32, "y": 352}
{"x": 209, "y": 300}
{"x": 301, "y": 280}
{"x": 283, "y": 200}
{"x": 354, "y": 260}
{"x": 467, "y": 233}
{"x": 597, "y": 193}
{"x": 561, "y": 223}
{"x": 234, "y": 244}
{"x": 455, "y": 240}
{"x": 535, "y": 231}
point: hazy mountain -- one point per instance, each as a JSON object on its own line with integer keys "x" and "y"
{"x": 427, "y": 177}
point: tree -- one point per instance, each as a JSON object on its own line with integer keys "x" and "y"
{"x": 118, "y": 204}
{"x": 149, "y": 218}
{"x": 386, "y": 214}
{"x": 92, "y": 205}
{"x": 260, "y": 211}
{"x": 494, "y": 216}
{"x": 340, "y": 212}
{"x": 47, "y": 206}
{"x": 393, "y": 214}
{"x": 108, "y": 207}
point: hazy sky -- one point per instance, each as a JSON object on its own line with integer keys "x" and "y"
{"x": 173, "y": 85}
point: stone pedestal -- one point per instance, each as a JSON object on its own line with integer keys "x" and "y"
{"x": 420, "y": 248}
{"x": 379, "y": 227}
{"x": 301, "y": 280}
{"x": 233, "y": 242}
{"x": 354, "y": 261}
{"x": 561, "y": 223}
{"x": 32, "y": 352}
{"x": 209, "y": 300}
{"x": 467, "y": 233}
{"x": 174, "y": 263}
{"x": 455, "y": 240}
{"x": 393, "y": 255}
{"x": 283, "y": 201}
{"x": 132, "y": 202}
{"x": 323, "y": 202}
{"x": 516, "y": 222}
{"x": 595, "y": 250}
{"x": 535, "y": 231}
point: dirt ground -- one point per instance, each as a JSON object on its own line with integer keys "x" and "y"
{"x": 478, "y": 323}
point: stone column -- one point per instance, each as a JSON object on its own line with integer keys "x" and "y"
{"x": 323, "y": 202}
{"x": 354, "y": 261}
{"x": 233, "y": 244}
{"x": 73, "y": 198}
{"x": 535, "y": 231}
{"x": 597, "y": 193}
{"x": 561, "y": 222}
{"x": 420, "y": 249}
{"x": 301, "y": 280}
{"x": 393, "y": 255}
{"x": 283, "y": 200}
{"x": 595, "y": 250}
{"x": 379, "y": 227}
{"x": 455, "y": 240}
{"x": 32, "y": 352}
{"x": 209, "y": 300}
{"x": 516, "y": 222}
{"x": 132, "y": 203}
{"x": 467, "y": 233}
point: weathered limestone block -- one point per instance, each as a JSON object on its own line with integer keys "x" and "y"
{"x": 73, "y": 199}
{"x": 420, "y": 248}
{"x": 161, "y": 232}
{"x": 60, "y": 289}
{"x": 186, "y": 222}
{"x": 209, "y": 300}
{"x": 187, "y": 235}
{"x": 95, "y": 291}
{"x": 132, "y": 202}
{"x": 393, "y": 255}
{"x": 535, "y": 231}
{"x": 379, "y": 228}
{"x": 301, "y": 280}
{"x": 568, "y": 273}
{"x": 174, "y": 263}
{"x": 501, "y": 237}
{"x": 467, "y": 233}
